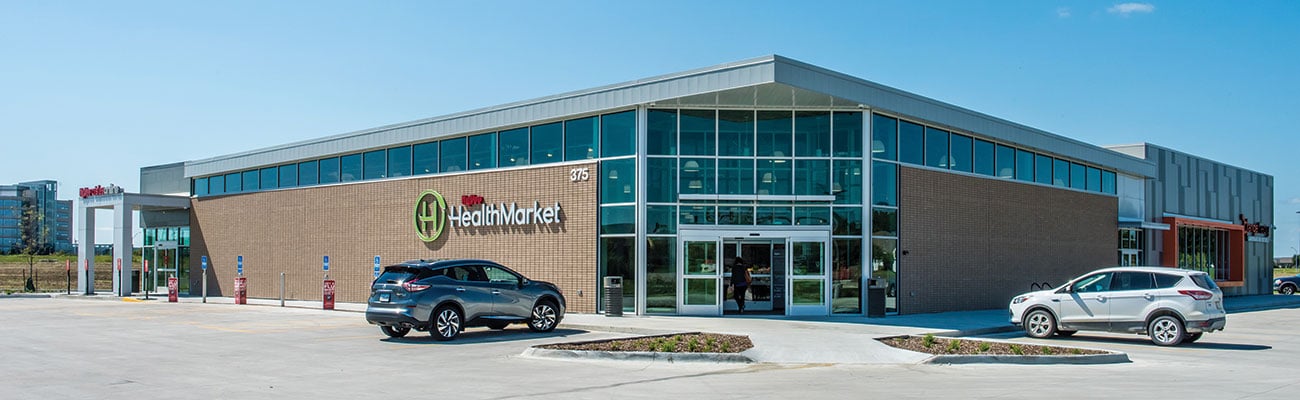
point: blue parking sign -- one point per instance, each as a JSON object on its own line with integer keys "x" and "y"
{"x": 376, "y": 266}
{"x": 327, "y": 263}
{"x": 205, "y": 262}
{"x": 240, "y": 261}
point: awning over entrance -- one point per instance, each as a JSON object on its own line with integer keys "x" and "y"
{"x": 123, "y": 205}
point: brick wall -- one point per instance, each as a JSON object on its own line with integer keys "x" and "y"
{"x": 290, "y": 230}
{"x": 972, "y": 243}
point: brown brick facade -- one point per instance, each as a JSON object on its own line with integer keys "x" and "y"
{"x": 969, "y": 243}
{"x": 290, "y": 230}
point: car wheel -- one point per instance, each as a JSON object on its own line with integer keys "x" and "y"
{"x": 1066, "y": 333}
{"x": 1166, "y": 330}
{"x": 446, "y": 323}
{"x": 498, "y": 325}
{"x": 545, "y": 317}
{"x": 394, "y": 331}
{"x": 1287, "y": 289}
{"x": 1040, "y": 324}
{"x": 1192, "y": 337}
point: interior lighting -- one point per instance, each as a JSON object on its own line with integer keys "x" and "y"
{"x": 691, "y": 166}
{"x": 696, "y": 184}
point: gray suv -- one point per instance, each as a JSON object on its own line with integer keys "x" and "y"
{"x": 444, "y": 297}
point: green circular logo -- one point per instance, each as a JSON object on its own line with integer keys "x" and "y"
{"x": 430, "y": 215}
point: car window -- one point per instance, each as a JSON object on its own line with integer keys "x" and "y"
{"x": 476, "y": 273}
{"x": 1165, "y": 281}
{"x": 499, "y": 275}
{"x": 394, "y": 275}
{"x": 460, "y": 273}
{"x": 1131, "y": 281}
{"x": 1093, "y": 283}
{"x": 1204, "y": 282}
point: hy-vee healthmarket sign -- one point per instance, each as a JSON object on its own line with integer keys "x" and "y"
{"x": 432, "y": 214}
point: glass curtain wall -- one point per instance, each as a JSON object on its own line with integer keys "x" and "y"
{"x": 612, "y": 136}
{"x": 1204, "y": 249}
{"x": 885, "y": 132}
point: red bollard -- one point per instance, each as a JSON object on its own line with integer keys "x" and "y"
{"x": 173, "y": 287}
{"x": 241, "y": 290}
{"x": 328, "y": 298}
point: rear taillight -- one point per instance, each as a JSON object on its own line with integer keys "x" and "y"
{"x": 1197, "y": 294}
{"x": 411, "y": 286}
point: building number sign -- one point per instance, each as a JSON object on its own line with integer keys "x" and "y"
{"x": 579, "y": 174}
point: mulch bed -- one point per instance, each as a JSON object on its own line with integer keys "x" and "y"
{"x": 979, "y": 347}
{"x": 677, "y": 343}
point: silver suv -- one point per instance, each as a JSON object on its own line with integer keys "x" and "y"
{"x": 444, "y": 297}
{"x": 1171, "y": 305}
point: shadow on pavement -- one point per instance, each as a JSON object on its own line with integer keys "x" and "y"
{"x": 1205, "y": 343}
{"x": 481, "y": 335}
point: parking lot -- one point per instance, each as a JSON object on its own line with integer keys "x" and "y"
{"x": 75, "y": 348}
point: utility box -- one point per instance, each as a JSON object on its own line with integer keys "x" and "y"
{"x": 613, "y": 286}
{"x": 876, "y": 288}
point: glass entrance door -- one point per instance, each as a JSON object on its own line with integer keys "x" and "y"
{"x": 701, "y": 276}
{"x": 808, "y": 277}
{"x": 166, "y": 263}
{"x": 766, "y": 259}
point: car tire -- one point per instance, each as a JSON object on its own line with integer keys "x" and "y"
{"x": 394, "y": 331}
{"x": 496, "y": 326}
{"x": 1065, "y": 333}
{"x": 1166, "y": 330}
{"x": 447, "y": 323}
{"x": 1040, "y": 324}
{"x": 545, "y": 317}
{"x": 1287, "y": 289}
{"x": 1193, "y": 337}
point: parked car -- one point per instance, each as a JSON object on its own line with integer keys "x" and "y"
{"x": 1170, "y": 305}
{"x": 444, "y": 297}
{"x": 1286, "y": 284}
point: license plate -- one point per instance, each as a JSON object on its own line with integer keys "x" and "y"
{"x": 383, "y": 297}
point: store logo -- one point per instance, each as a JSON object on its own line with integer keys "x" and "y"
{"x": 430, "y": 215}
{"x": 1254, "y": 228}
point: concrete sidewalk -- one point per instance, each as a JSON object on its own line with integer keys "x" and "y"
{"x": 781, "y": 339}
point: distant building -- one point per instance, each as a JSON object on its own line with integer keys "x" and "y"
{"x": 1283, "y": 262}
{"x": 42, "y": 196}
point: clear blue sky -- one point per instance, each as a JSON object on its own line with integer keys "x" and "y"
{"x": 91, "y": 91}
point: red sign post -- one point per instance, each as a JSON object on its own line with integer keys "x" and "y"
{"x": 328, "y": 297}
{"x": 241, "y": 290}
{"x": 172, "y": 288}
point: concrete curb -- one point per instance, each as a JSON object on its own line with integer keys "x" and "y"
{"x": 26, "y": 296}
{"x": 1112, "y": 358}
{"x": 975, "y": 332}
{"x": 638, "y": 356}
{"x": 618, "y": 329}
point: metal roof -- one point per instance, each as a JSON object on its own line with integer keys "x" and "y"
{"x": 772, "y": 81}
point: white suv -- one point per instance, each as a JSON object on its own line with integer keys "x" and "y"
{"x": 1171, "y": 305}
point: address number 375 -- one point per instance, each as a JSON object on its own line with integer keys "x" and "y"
{"x": 579, "y": 174}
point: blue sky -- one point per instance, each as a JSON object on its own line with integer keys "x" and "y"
{"x": 92, "y": 91}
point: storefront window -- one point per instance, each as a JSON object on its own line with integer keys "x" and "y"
{"x": 812, "y": 215}
{"x": 619, "y": 185}
{"x": 547, "y": 143}
{"x": 774, "y": 177}
{"x": 936, "y": 148}
{"x": 329, "y": 170}
{"x": 618, "y": 258}
{"x": 373, "y": 162}
{"x": 847, "y": 134}
{"x": 580, "y": 136}
{"x": 698, "y": 136}
{"x": 661, "y": 275}
{"x": 350, "y": 168}
{"x": 775, "y": 216}
{"x": 848, "y": 221}
{"x": 884, "y": 137}
{"x": 661, "y": 219}
{"x": 774, "y": 133}
{"x": 288, "y": 175}
{"x": 884, "y": 184}
{"x": 911, "y": 143}
{"x": 697, "y": 176}
{"x": 846, "y": 275}
{"x": 618, "y": 134}
{"x": 984, "y": 163}
{"x": 661, "y": 180}
{"x": 512, "y": 147}
{"x": 735, "y": 215}
{"x": 619, "y": 219}
{"x": 483, "y": 151}
{"x": 884, "y": 222}
{"x": 812, "y": 133}
{"x": 736, "y": 133}
{"x": 424, "y": 158}
{"x": 453, "y": 155}
{"x": 812, "y": 177}
{"x": 847, "y": 186}
{"x": 736, "y": 176}
{"x": 884, "y": 265}
{"x": 399, "y": 161}
{"x": 661, "y": 132}
{"x": 308, "y": 173}
{"x": 698, "y": 215}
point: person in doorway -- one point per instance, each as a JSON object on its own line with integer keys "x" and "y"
{"x": 740, "y": 280}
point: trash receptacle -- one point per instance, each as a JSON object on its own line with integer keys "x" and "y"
{"x": 613, "y": 296}
{"x": 876, "y": 297}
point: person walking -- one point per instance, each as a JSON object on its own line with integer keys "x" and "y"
{"x": 740, "y": 281}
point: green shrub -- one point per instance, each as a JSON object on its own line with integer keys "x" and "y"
{"x": 954, "y": 345}
{"x": 693, "y": 345}
{"x": 1015, "y": 349}
{"x": 726, "y": 347}
{"x": 985, "y": 346}
{"x": 1049, "y": 350}
{"x": 927, "y": 340}
{"x": 1076, "y": 351}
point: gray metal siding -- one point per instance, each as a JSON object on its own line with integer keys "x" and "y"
{"x": 164, "y": 179}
